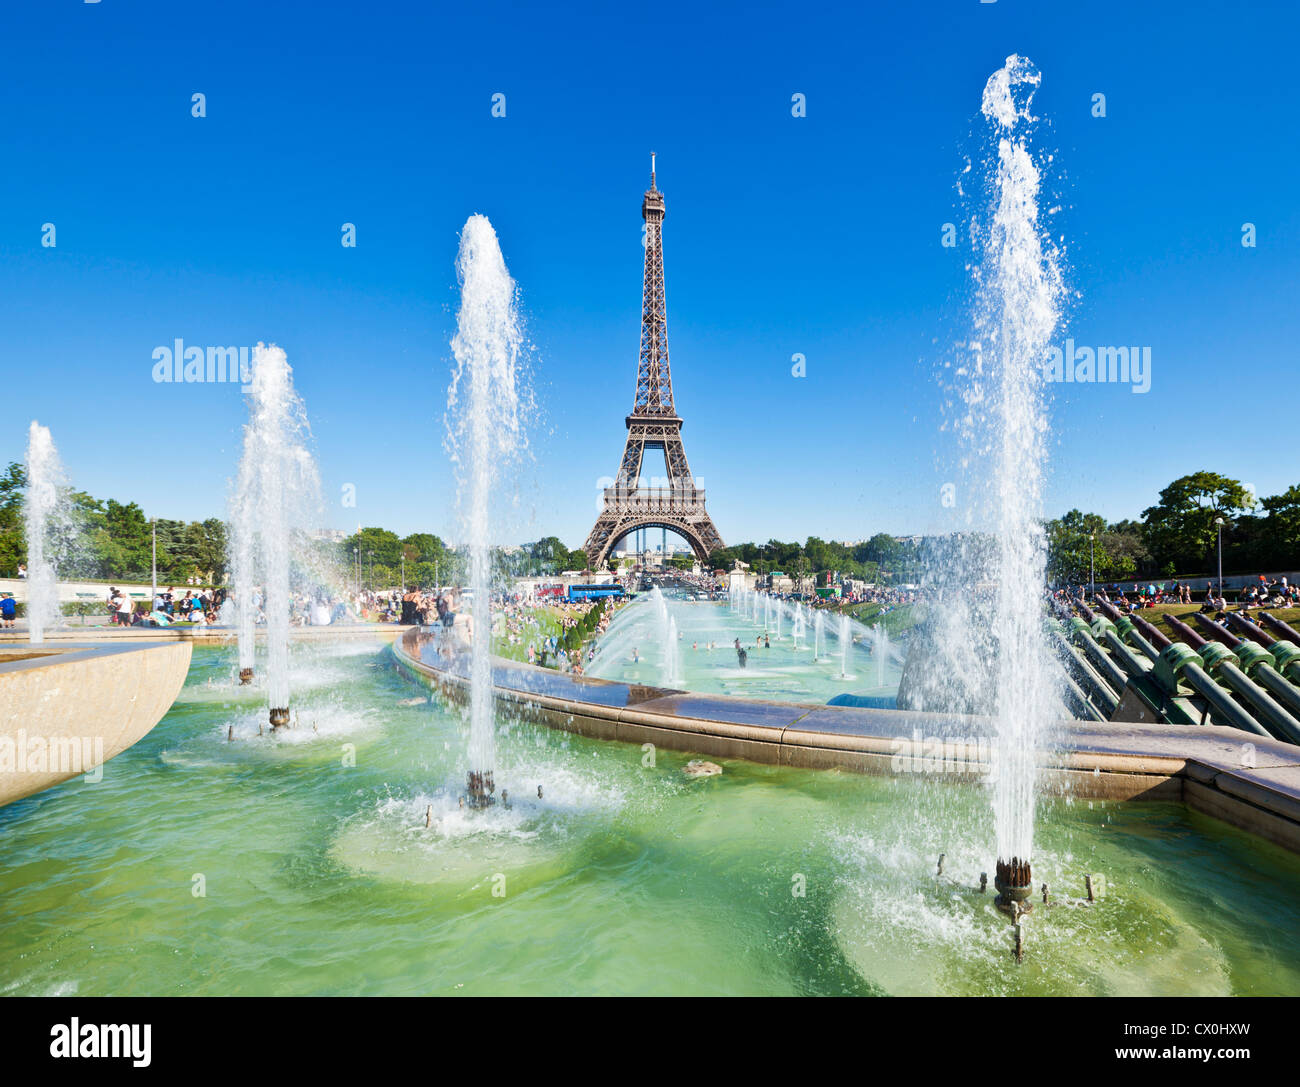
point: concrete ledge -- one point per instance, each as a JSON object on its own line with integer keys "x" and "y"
{"x": 66, "y": 709}
{"x": 1246, "y": 780}
{"x": 203, "y": 635}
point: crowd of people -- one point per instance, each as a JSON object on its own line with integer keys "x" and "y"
{"x": 1259, "y": 593}
{"x": 194, "y": 605}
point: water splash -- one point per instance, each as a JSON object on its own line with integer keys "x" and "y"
{"x": 45, "y": 480}
{"x": 277, "y": 489}
{"x": 484, "y": 437}
{"x": 1019, "y": 294}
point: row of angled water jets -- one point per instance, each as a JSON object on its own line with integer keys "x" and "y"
{"x": 770, "y": 614}
{"x": 775, "y": 611}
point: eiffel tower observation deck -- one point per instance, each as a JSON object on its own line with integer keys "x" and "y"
{"x": 653, "y": 425}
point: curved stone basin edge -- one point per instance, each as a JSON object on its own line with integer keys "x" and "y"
{"x": 1248, "y": 781}
{"x": 213, "y": 635}
{"x": 66, "y": 709}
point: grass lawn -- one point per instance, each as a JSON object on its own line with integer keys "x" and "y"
{"x": 548, "y": 624}
{"x": 895, "y": 622}
{"x": 1185, "y": 611}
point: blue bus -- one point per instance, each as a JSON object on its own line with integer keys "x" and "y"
{"x": 593, "y": 592}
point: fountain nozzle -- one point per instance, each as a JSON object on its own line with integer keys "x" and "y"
{"x": 279, "y": 716}
{"x": 1015, "y": 884}
{"x": 480, "y": 787}
{"x": 245, "y": 676}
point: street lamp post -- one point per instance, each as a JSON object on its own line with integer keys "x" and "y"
{"x": 370, "y": 579}
{"x": 1219, "y": 521}
{"x": 153, "y": 563}
{"x": 356, "y": 569}
{"x": 1092, "y": 566}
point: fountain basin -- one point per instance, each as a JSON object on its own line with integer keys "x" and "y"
{"x": 1201, "y": 767}
{"x": 343, "y": 883}
{"x": 65, "y": 711}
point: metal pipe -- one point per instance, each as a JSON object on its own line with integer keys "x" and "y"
{"x": 1125, "y": 627}
{"x": 1109, "y": 670}
{"x": 1278, "y": 722}
{"x": 1265, "y": 669}
{"x": 1094, "y": 685}
{"x": 1185, "y": 632}
{"x": 1131, "y": 663}
{"x": 1251, "y": 630}
{"x": 1153, "y": 633}
{"x": 1285, "y": 692}
{"x": 1229, "y": 712}
{"x": 1281, "y": 629}
{"x": 1080, "y": 705}
{"x": 1217, "y": 631}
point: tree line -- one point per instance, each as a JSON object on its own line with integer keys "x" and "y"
{"x": 102, "y": 539}
{"x": 1177, "y": 536}
{"x": 1180, "y": 534}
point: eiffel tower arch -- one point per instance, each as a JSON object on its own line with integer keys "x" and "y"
{"x": 653, "y": 425}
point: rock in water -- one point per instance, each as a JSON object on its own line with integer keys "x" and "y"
{"x": 698, "y": 768}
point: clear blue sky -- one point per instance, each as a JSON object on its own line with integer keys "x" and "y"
{"x": 818, "y": 235}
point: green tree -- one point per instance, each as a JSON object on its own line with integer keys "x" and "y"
{"x": 1181, "y": 528}
{"x": 385, "y": 547}
{"x": 550, "y": 556}
{"x": 13, "y": 545}
{"x": 1282, "y": 528}
{"x": 423, "y": 547}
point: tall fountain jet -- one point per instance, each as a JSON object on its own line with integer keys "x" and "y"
{"x": 44, "y": 479}
{"x": 484, "y": 435}
{"x": 276, "y": 491}
{"x": 1018, "y": 308}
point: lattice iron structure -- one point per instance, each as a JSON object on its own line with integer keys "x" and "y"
{"x": 653, "y": 424}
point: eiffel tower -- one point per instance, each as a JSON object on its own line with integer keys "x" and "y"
{"x": 653, "y": 424}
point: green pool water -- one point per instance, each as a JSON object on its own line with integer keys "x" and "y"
{"x": 777, "y": 667}
{"x": 320, "y": 877}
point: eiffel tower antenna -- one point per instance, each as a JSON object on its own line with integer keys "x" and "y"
{"x": 653, "y": 424}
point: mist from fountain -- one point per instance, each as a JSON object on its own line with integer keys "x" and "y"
{"x": 276, "y": 496}
{"x": 672, "y": 655}
{"x": 846, "y": 643}
{"x": 485, "y": 436}
{"x": 881, "y": 649}
{"x": 45, "y": 481}
{"x": 819, "y": 635}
